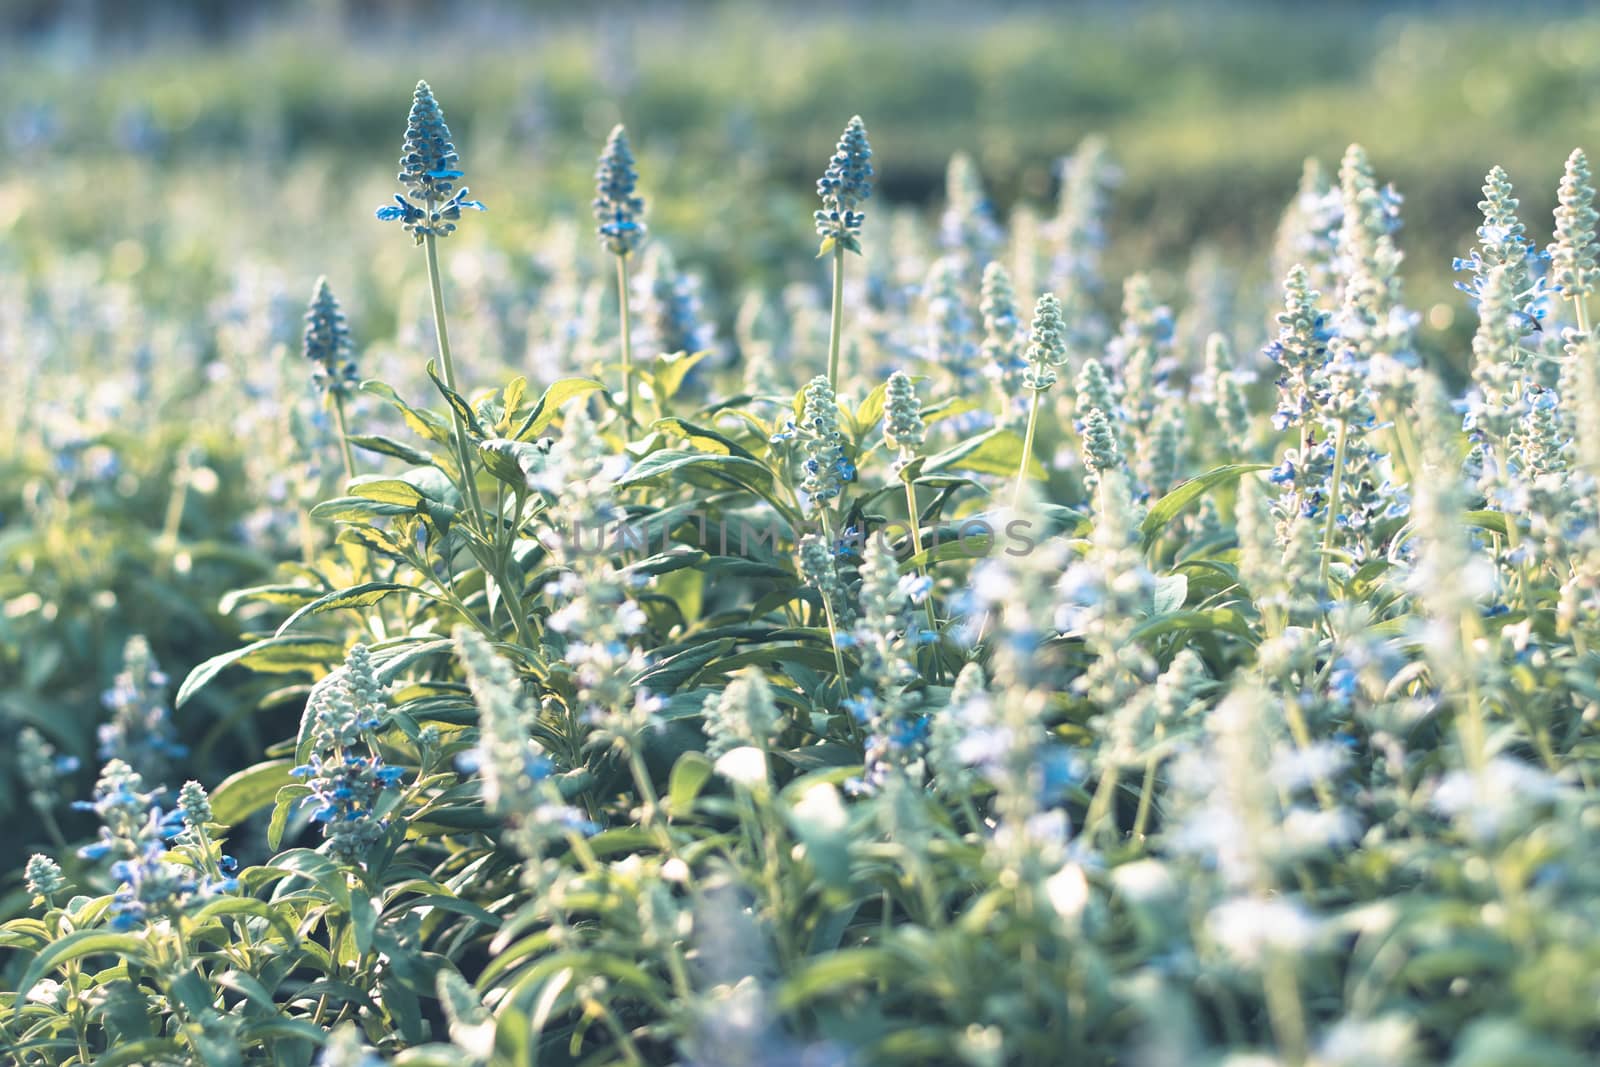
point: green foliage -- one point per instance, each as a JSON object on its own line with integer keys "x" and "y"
{"x": 674, "y": 713}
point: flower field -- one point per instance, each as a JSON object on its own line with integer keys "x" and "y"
{"x": 982, "y": 602}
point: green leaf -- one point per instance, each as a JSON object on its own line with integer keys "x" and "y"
{"x": 282, "y": 1030}
{"x": 834, "y": 974}
{"x": 997, "y": 451}
{"x": 75, "y": 946}
{"x": 422, "y": 423}
{"x": 949, "y": 409}
{"x": 282, "y": 805}
{"x": 1170, "y": 506}
{"x": 689, "y": 776}
{"x": 870, "y": 413}
{"x": 387, "y": 491}
{"x": 291, "y": 652}
{"x": 255, "y": 909}
{"x": 242, "y": 794}
{"x": 320, "y": 869}
{"x": 388, "y": 446}
{"x": 665, "y": 675}
{"x": 675, "y": 559}
{"x": 392, "y": 657}
{"x": 512, "y": 461}
{"x": 549, "y": 406}
{"x": 458, "y": 403}
{"x": 703, "y": 438}
{"x": 1221, "y": 620}
{"x": 370, "y": 537}
{"x": 355, "y": 509}
{"x": 137, "y": 1053}
{"x": 511, "y": 396}
{"x": 1171, "y": 591}
{"x": 359, "y": 596}
{"x": 363, "y": 921}
{"x": 676, "y": 462}
{"x": 667, "y": 375}
{"x": 267, "y": 594}
{"x": 824, "y": 756}
{"x": 1493, "y": 521}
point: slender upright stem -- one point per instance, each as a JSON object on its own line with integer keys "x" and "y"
{"x": 1333, "y": 502}
{"x": 469, "y": 473}
{"x": 915, "y": 522}
{"x": 1100, "y": 803}
{"x": 836, "y": 329}
{"x": 827, "y": 608}
{"x": 442, "y": 332}
{"x": 1141, "y": 816}
{"x": 344, "y": 436}
{"x": 1524, "y": 571}
{"x": 1027, "y": 449}
{"x": 1016, "y": 492}
{"x": 627, "y": 340}
{"x": 1285, "y": 1012}
{"x": 172, "y": 523}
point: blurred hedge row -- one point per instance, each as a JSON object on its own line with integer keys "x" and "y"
{"x": 1210, "y": 109}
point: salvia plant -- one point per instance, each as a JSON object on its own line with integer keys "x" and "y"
{"x": 911, "y": 677}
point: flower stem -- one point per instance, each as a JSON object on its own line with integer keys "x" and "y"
{"x": 1141, "y": 816}
{"x": 172, "y": 522}
{"x": 833, "y": 632}
{"x": 837, "y": 326}
{"x": 1027, "y": 450}
{"x": 914, "y": 520}
{"x": 469, "y": 479}
{"x": 627, "y": 340}
{"x": 442, "y": 332}
{"x": 344, "y": 436}
{"x": 1100, "y": 804}
{"x": 1333, "y": 503}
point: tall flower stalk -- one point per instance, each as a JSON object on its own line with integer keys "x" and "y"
{"x": 429, "y": 209}
{"x": 817, "y": 568}
{"x": 617, "y": 211}
{"x": 843, "y": 187}
{"x": 327, "y": 347}
{"x": 1046, "y": 351}
{"x": 429, "y": 170}
{"x": 1575, "y": 251}
{"x": 905, "y": 431}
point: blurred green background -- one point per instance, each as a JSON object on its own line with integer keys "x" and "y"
{"x": 176, "y": 175}
{"x": 289, "y": 109}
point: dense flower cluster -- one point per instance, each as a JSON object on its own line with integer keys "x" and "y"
{"x": 1004, "y": 346}
{"x": 669, "y": 305}
{"x": 327, "y": 342}
{"x": 516, "y": 771}
{"x": 141, "y": 732}
{"x": 618, "y": 209}
{"x": 885, "y": 638}
{"x": 825, "y": 468}
{"x": 844, "y": 187}
{"x": 42, "y": 769}
{"x": 903, "y": 427}
{"x": 429, "y": 170}
{"x": 133, "y": 834}
{"x": 742, "y": 714}
{"x": 1117, "y": 707}
{"x": 348, "y": 779}
{"x": 596, "y": 610}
